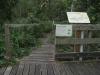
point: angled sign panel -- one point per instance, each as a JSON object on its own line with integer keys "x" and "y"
{"x": 78, "y": 17}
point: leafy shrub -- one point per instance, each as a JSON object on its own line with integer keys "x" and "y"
{"x": 26, "y": 37}
{"x": 64, "y": 48}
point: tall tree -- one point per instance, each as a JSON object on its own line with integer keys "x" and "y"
{"x": 6, "y": 9}
{"x": 90, "y": 6}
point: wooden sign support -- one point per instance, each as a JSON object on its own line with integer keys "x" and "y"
{"x": 78, "y": 18}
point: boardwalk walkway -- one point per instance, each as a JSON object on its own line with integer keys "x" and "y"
{"x": 41, "y": 62}
{"x": 53, "y": 69}
{"x": 43, "y": 54}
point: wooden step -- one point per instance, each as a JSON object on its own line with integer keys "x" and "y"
{"x": 37, "y": 60}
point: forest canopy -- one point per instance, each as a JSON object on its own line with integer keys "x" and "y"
{"x": 35, "y": 10}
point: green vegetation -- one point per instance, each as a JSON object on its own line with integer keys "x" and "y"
{"x": 41, "y": 12}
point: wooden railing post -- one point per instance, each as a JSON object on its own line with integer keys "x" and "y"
{"x": 77, "y": 47}
{"x": 7, "y": 43}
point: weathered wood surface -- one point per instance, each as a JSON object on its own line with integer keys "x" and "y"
{"x": 21, "y": 25}
{"x": 63, "y": 41}
{"x": 76, "y": 55}
{"x": 53, "y": 69}
{"x": 84, "y": 27}
{"x": 43, "y": 54}
{"x": 75, "y": 26}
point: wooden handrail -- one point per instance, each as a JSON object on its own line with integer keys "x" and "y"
{"x": 77, "y": 55}
{"x": 64, "y": 41}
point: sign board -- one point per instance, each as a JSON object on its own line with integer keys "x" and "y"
{"x": 78, "y": 17}
{"x": 63, "y": 30}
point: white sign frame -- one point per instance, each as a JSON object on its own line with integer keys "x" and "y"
{"x": 78, "y": 17}
{"x": 63, "y": 30}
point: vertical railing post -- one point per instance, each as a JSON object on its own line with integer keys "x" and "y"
{"x": 7, "y": 43}
{"x": 81, "y": 46}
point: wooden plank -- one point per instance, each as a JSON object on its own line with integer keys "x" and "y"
{"x": 2, "y": 70}
{"x": 20, "y": 69}
{"x": 76, "y": 55}
{"x": 93, "y": 70}
{"x": 43, "y": 69}
{"x": 87, "y": 68}
{"x": 75, "y": 26}
{"x": 84, "y": 70}
{"x": 64, "y": 41}
{"x": 95, "y": 54}
{"x": 97, "y": 68}
{"x": 67, "y": 69}
{"x": 21, "y": 25}
{"x": 50, "y": 70}
{"x": 37, "y": 69}
{"x": 73, "y": 69}
{"x": 8, "y": 70}
{"x": 26, "y": 69}
{"x": 56, "y": 69}
{"x": 62, "y": 69}
{"x": 14, "y": 70}
{"x": 32, "y": 69}
{"x": 78, "y": 67}
{"x": 86, "y": 27}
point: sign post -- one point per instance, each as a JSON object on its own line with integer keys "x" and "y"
{"x": 78, "y": 18}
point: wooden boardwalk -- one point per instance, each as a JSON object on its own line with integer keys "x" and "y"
{"x": 41, "y": 62}
{"x": 43, "y": 54}
{"x": 53, "y": 69}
